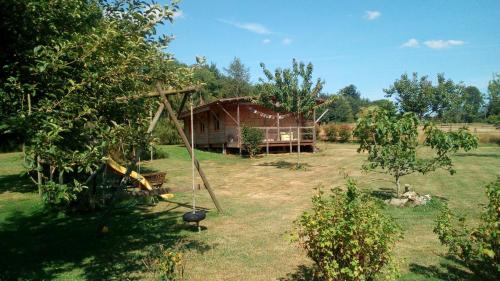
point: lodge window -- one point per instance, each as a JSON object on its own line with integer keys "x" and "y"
{"x": 216, "y": 123}
{"x": 202, "y": 127}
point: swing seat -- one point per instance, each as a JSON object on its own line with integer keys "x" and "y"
{"x": 167, "y": 196}
{"x": 196, "y": 216}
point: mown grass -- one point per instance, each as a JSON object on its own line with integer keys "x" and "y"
{"x": 261, "y": 198}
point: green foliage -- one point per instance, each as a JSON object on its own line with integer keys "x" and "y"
{"x": 443, "y": 101}
{"x": 164, "y": 264}
{"x": 345, "y": 133}
{"x": 290, "y": 89}
{"x": 60, "y": 196}
{"x": 348, "y": 236}
{"x": 392, "y": 141}
{"x": 165, "y": 132}
{"x": 331, "y": 131}
{"x": 479, "y": 246}
{"x": 493, "y": 107}
{"x": 251, "y": 139}
{"x": 67, "y": 92}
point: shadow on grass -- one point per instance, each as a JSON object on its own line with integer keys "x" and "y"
{"x": 16, "y": 183}
{"x": 451, "y": 269}
{"x": 303, "y": 273}
{"x": 42, "y": 245}
{"x": 283, "y": 164}
{"x": 476, "y": 154}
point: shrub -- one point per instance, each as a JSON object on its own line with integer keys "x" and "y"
{"x": 348, "y": 236}
{"x": 331, "y": 132}
{"x": 478, "y": 247}
{"x": 345, "y": 133}
{"x": 164, "y": 264}
{"x": 251, "y": 139}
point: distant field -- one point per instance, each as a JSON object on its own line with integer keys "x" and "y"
{"x": 487, "y": 133}
{"x": 261, "y": 198}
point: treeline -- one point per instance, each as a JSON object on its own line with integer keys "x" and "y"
{"x": 445, "y": 101}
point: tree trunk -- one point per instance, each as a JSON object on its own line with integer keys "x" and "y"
{"x": 398, "y": 185}
{"x": 298, "y": 142}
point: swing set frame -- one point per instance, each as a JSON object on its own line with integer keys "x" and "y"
{"x": 165, "y": 103}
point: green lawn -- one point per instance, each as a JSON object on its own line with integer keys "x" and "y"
{"x": 261, "y": 198}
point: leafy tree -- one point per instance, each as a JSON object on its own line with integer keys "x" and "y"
{"x": 251, "y": 138}
{"x": 493, "y": 108}
{"x": 348, "y": 236}
{"x": 392, "y": 144}
{"x": 386, "y": 105}
{"x": 340, "y": 111}
{"x": 353, "y": 97}
{"x": 68, "y": 91}
{"x": 472, "y": 104}
{"x": 291, "y": 90}
{"x": 412, "y": 95}
{"x": 479, "y": 246}
{"x": 237, "y": 83}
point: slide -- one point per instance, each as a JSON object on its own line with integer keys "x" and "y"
{"x": 122, "y": 170}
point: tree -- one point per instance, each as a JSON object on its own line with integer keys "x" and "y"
{"x": 472, "y": 104}
{"x": 392, "y": 144}
{"x": 493, "y": 108}
{"x": 340, "y": 111}
{"x": 251, "y": 138}
{"x": 353, "y": 97}
{"x": 412, "y": 95}
{"x": 478, "y": 247}
{"x": 291, "y": 90}
{"x": 62, "y": 90}
{"x": 237, "y": 83}
{"x": 348, "y": 236}
{"x": 386, "y": 105}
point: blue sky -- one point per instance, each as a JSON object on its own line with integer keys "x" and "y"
{"x": 365, "y": 43}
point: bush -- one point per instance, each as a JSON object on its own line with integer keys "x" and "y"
{"x": 166, "y": 133}
{"x": 164, "y": 264}
{"x": 348, "y": 236}
{"x": 345, "y": 133}
{"x": 478, "y": 247}
{"x": 331, "y": 132}
{"x": 251, "y": 139}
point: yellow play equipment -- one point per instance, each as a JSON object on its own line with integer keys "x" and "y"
{"x": 143, "y": 183}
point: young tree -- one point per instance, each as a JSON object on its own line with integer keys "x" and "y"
{"x": 392, "y": 144}
{"x": 291, "y": 90}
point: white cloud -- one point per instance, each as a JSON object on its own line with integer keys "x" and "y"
{"x": 266, "y": 41}
{"x": 372, "y": 15}
{"x": 250, "y": 26}
{"x": 442, "y": 44}
{"x": 178, "y": 15}
{"x": 412, "y": 43}
{"x": 286, "y": 41}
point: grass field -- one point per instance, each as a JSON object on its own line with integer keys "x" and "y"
{"x": 261, "y": 198}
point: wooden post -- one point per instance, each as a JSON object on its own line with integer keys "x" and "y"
{"x": 267, "y": 141}
{"x": 152, "y": 125}
{"x": 278, "y": 138}
{"x": 290, "y": 138}
{"x": 314, "y": 130}
{"x": 239, "y": 127}
{"x": 188, "y": 147}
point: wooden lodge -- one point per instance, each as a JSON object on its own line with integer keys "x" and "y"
{"x": 218, "y": 125}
